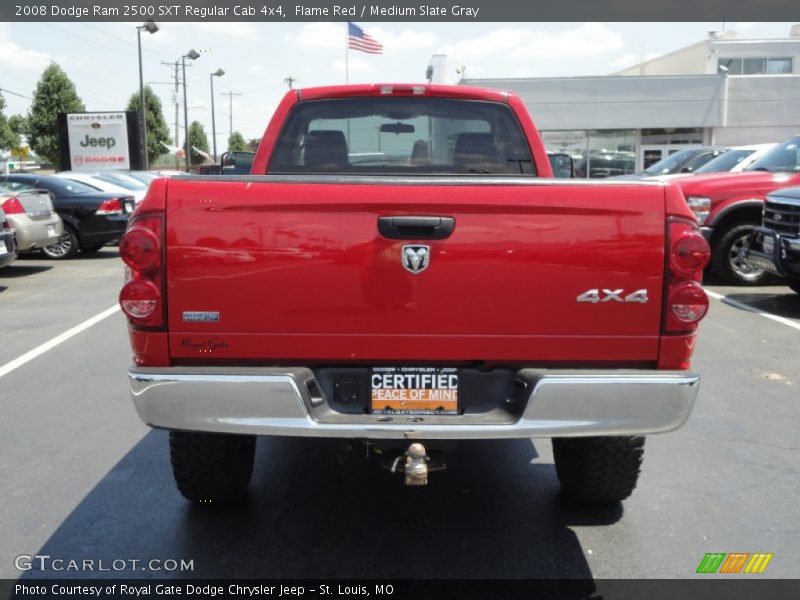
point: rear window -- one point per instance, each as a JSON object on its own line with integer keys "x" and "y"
{"x": 71, "y": 186}
{"x": 402, "y": 136}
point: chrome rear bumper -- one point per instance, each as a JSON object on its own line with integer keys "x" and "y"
{"x": 286, "y": 401}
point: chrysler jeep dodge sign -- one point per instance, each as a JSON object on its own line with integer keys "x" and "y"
{"x": 98, "y": 141}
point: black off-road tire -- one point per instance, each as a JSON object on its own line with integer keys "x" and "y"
{"x": 598, "y": 469}
{"x": 727, "y": 259}
{"x": 211, "y": 467}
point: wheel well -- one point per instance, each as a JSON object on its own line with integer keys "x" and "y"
{"x": 76, "y": 231}
{"x": 744, "y": 214}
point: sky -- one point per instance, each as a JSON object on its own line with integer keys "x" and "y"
{"x": 102, "y": 60}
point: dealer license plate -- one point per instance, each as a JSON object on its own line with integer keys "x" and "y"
{"x": 414, "y": 390}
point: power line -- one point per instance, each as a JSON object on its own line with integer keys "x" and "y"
{"x": 124, "y": 41}
{"x": 95, "y": 42}
{"x": 15, "y": 94}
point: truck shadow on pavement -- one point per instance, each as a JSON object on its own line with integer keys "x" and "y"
{"x": 318, "y": 511}
{"x": 783, "y": 305}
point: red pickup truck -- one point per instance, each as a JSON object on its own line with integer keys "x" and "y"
{"x": 401, "y": 268}
{"x": 728, "y": 207}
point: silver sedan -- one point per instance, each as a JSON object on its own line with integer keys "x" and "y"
{"x": 30, "y": 213}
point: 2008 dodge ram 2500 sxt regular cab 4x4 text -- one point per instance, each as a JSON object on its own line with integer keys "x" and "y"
{"x": 400, "y": 267}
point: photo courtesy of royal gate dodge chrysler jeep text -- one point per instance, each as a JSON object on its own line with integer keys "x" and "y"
{"x": 401, "y": 267}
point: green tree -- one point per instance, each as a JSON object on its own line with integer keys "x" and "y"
{"x": 8, "y": 139}
{"x": 197, "y": 139}
{"x": 54, "y": 93}
{"x": 157, "y": 130}
{"x": 236, "y": 143}
{"x": 18, "y": 124}
{"x": 252, "y": 145}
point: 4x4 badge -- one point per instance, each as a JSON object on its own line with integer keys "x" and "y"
{"x": 415, "y": 258}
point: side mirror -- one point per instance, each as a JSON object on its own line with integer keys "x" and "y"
{"x": 563, "y": 165}
{"x": 228, "y": 159}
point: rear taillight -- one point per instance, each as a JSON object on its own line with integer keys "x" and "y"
{"x": 140, "y": 300}
{"x": 13, "y": 206}
{"x": 142, "y": 251}
{"x": 688, "y": 255}
{"x": 688, "y": 303}
{"x": 109, "y": 207}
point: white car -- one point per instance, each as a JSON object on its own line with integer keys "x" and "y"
{"x": 116, "y": 183}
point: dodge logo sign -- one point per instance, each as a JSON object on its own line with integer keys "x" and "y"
{"x": 415, "y": 258}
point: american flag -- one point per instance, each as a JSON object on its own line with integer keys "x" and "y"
{"x": 358, "y": 40}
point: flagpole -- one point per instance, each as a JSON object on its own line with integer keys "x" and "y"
{"x": 347, "y": 52}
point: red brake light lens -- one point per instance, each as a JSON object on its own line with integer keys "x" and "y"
{"x": 140, "y": 300}
{"x": 109, "y": 207}
{"x": 689, "y": 254}
{"x": 139, "y": 249}
{"x": 13, "y": 206}
{"x": 688, "y": 303}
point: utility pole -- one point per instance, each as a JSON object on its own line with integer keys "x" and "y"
{"x": 176, "y": 65}
{"x": 230, "y": 96}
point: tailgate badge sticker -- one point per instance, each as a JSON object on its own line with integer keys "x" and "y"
{"x": 194, "y": 316}
{"x": 415, "y": 258}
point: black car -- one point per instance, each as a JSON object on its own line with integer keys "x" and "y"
{"x": 91, "y": 219}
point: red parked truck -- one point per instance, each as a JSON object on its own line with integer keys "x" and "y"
{"x": 728, "y": 207}
{"x": 400, "y": 267}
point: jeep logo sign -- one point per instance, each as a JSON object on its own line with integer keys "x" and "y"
{"x": 102, "y": 142}
{"x": 98, "y": 141}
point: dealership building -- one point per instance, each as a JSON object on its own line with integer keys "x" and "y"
{"x": 722, "y": 90}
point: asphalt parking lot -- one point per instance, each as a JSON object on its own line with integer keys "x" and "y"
{"x": 82, "y": 478}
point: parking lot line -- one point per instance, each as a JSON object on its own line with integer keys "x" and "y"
{"x": 53, "y": 342}
{"x": 748, "y": 308}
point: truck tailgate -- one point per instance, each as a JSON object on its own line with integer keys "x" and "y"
{"x": 297, "y": 271}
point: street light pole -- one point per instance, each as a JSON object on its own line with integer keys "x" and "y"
{"x": 150, "y": 27}
{"x": 191, "y": 55}
{"x": 217, "y": 73}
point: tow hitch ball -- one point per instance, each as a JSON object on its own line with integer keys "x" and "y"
{"x": 414, "y": 464}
